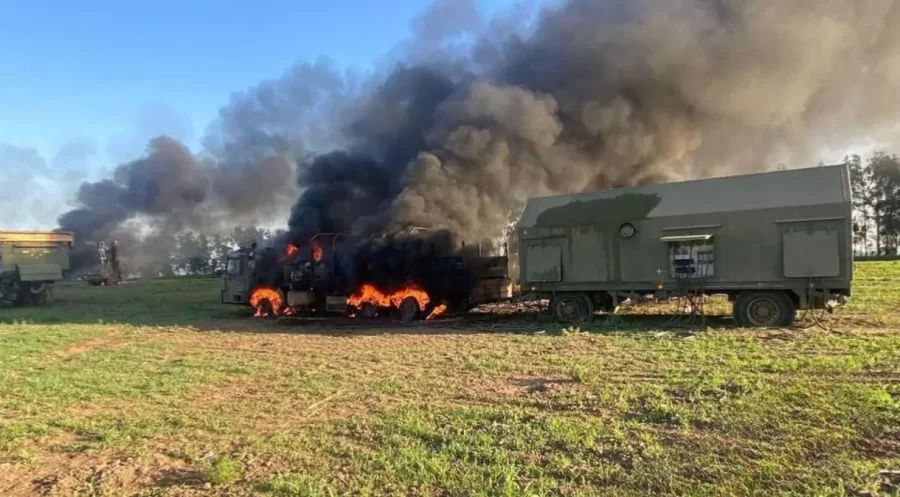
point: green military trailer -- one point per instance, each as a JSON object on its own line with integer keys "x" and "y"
{"x": 30, "y": 262}
{"x": 773, "y": 242}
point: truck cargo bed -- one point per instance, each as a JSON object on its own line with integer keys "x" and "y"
{"x": 50, "y": 237}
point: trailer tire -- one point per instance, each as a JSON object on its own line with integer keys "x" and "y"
{"x": 772, "y": 309}
{"x": 571, "y": 308}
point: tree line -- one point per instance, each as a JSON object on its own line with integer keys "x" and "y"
{"x": 190, "y": 254}
{"x": 875, "y": 185}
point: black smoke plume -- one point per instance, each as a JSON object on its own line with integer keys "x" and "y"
{"x": 474, "y": 117}
{"x": 608, "y": 93}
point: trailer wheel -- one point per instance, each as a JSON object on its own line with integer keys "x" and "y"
{"x": 571, "y": 308}
{"x": 763, "y": 310}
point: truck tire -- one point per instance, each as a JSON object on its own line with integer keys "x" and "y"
{"x": 409, "y": 309}
{"x": 572, "y": 308}
{"x": 42, "y": 297}
{"x": 23, "y": 297}
{"x": 30, "y": 294}
{"x": 772, "y": 309}
{"x": 368, "y": 310}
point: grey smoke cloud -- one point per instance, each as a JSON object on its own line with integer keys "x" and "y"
{"x": 471, "y": 116}
{"x": 32, "y": 193}
{"x": 609, "y": 93}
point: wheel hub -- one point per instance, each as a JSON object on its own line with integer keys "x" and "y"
{"x": 568, "y": 308}
{"x": 763, "y": 312}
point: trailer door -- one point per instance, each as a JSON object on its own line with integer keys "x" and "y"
{"x": 543, "y": 263}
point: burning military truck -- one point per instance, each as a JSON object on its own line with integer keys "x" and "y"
{"x": 108, "y": 271}
{"x": 335, "y": 274}
{"x": 30, "y": 263}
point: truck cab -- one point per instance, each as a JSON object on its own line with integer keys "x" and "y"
{"x": 236, "y": 280}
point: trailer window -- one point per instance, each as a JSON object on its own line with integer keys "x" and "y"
{"x": 691, "y": 256}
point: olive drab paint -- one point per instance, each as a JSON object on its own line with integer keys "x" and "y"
{"x": 30, "y": 262}
{"x": 781, "y": 230}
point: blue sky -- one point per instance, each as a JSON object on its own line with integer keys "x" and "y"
{"x": 84, "y": 84}
{"x": 113, "y": 71}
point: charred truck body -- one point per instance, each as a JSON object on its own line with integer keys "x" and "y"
{"x": 773, "y": 242}
{"x": 109, "y": 271}
{"x": 30, "y": 262}
{"x": 332, "y": 273}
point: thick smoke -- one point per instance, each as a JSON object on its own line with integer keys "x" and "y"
{"x": 473, "y": 117}
{"x": 245, "y": 175}
{"x": 609, "y": 93}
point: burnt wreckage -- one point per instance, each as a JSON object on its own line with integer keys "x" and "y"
{"x": 411, "y": 274}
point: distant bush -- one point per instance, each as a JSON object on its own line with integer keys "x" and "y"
{"x": 864, "y": 258}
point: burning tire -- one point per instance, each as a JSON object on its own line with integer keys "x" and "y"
{"x": 268, "y": 302}
{"x": 368, "y": 311}
{"x": 409, "y": 309}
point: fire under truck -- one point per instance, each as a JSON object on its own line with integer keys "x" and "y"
{"x": 311, "y": 281}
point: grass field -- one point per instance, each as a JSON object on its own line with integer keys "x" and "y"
{"x": 154, "y": 389}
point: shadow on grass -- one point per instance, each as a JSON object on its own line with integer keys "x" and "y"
{"x": 179, "y": 477}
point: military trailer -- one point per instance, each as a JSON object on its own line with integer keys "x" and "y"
{"x": 30, "y": 262}
{"x": 773, "y": 242}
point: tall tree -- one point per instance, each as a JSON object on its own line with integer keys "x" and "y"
{"x": 220, "y": 247}
{"x": 885, "y": 173}
{"x": 861, "y": 185}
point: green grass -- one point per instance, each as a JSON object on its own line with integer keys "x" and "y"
{"x": 223, "y": 470}
{"x": 153, "y": 388}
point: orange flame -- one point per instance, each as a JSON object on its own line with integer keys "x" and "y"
{"x": 290, "y": 252}
{"x": 437, "y": 312}
{"x": 264, "y": 295}
{"x": 368, "y": 294}
{"x": 316, "y": 251}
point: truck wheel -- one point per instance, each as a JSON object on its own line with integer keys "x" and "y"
{"x": 763, "y": 310}
{"x": 409, "y": 309}
{"x": 40, "y": 294}
{"x": 369, "y": 311}
{"x": 572, "y": 308}
{"x": 23, "y": 298}
{"x": 321, "y": 300}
